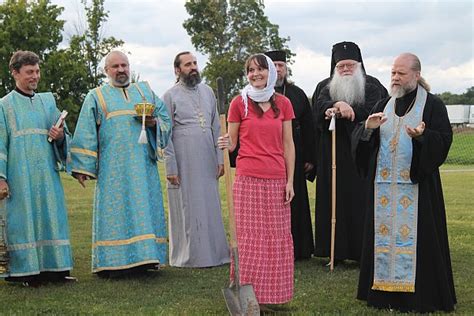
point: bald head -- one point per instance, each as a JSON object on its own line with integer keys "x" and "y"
{"x": 409, "y": 59}
{"x": 406, "y": 75}
{"x": 117, "y": 69}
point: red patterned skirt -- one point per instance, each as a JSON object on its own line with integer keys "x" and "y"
{"x": 264, "y": 238}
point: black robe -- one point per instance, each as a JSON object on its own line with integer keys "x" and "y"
{"x": 323, "y": 83}
{"x": 303, "y": 137}
{"x": 351, "y": 189}
{"x": 434, "y": 286}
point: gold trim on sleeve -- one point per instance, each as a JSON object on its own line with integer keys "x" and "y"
{"x": 83, "y": 151}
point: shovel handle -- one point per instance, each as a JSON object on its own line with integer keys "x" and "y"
{"x": 228, "y": 186}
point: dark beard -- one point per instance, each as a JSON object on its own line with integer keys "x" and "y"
{"x": 192, "y": 79}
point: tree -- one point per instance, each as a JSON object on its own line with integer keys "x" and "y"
{"x": 465, "y": 98}
{"x": 69, "y": 72}
{"x": 91, "y": 44}
{"x": 228, "y": 32}
{"x": 27, "y": 25}
{"x": 78, "y": 65}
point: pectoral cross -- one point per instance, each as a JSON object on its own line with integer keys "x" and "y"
{"x": 202, "y": 120}
{"x": 393, "y": 143}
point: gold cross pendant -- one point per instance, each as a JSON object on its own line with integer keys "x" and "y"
{"x": 393, "y": 144}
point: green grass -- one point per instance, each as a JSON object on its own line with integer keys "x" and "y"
{"x": 198, "y": 291}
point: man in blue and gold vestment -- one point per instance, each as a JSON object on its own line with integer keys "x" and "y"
{"x": 34, "y": 230}
{"x": 129, "y": 229}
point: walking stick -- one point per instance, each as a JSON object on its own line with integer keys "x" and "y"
{"x": 240, "y": 299}
{"x": 332, "y": 128}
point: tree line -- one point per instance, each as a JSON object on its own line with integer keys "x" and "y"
{"x": 464, "y": 98}
{"x": 69, "y": 72}
{"x": 226, "y": 31}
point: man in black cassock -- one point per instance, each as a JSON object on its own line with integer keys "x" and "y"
{"x": 303, "y": 137}
{"x": 428, "y": 284}
{"x": 350, "y": 95}
{"x": 324, "y": 83}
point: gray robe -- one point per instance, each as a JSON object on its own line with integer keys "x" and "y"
{"x": 197, "y": 237}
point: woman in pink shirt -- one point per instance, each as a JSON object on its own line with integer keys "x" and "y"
{"x": 263, "y": 189}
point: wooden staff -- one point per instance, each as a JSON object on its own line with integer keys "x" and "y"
{"x": 332, "y": 128}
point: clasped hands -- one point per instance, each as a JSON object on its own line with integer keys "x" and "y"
{"x": 342, "y": 110}
{"x": 377, "y": 119}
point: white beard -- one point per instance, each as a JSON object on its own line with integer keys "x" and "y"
{"x": 400, "y": 91}
{"x": 350, "y": 89}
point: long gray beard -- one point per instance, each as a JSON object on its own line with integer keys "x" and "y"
{"x": 350, "y": 89}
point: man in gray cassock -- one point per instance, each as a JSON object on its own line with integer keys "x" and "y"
{"x": 193, "y": 167}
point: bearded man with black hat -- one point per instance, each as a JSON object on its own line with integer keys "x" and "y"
{"x": 303, "y": 138}
{"x": 349, "y": 95}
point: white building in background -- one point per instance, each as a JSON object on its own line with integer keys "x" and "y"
{"x": 461, "y": 114}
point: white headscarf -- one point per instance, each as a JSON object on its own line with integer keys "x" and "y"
{"x": 261, "y": 95}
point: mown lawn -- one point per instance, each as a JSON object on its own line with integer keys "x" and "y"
{"x": 172, "y": 291}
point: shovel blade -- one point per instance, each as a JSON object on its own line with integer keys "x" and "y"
{"x": 241, "y": 300}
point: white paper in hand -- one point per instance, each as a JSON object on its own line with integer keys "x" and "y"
{"x": 59, "y": 122}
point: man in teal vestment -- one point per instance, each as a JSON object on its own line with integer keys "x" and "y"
{"x": 34, "y": 228}
{"x": 129, "y": 229}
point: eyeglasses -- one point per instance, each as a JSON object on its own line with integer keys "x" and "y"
{"x": 348, "y": 66}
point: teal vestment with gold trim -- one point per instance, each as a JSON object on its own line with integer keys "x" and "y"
{"x": 129, "y": 226}
{"x": 36, "y": 228}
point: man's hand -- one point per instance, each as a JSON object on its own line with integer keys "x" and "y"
{"x": 81, "y": 178}
{"x": 375, "y": 120}
{"x": 56, "y": 133}
{"x": 308, "y": 167}
{"x": 331, "y": 112}
{"x": 4, "y": 189}
{"x": 417, "y": 131}
{"x": 150, "y": 121}
{"x": 220, "y": 171}
{"x": 173, "y": 179}
{"x": 345, "y": 110}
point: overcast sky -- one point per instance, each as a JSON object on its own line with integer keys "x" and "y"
{"x": 439, "y": 32}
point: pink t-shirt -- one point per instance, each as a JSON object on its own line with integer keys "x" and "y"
{"x": 261, "y": 138}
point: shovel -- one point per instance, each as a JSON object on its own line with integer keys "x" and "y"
{"x": 240, "y": 299}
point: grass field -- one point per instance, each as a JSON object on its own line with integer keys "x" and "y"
{"x": 172, "y": 291}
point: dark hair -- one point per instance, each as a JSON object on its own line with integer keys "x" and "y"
{"x": 177, "y": 61}
{"x": 261, "y": 61}
{"x": 21, "y": 58}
